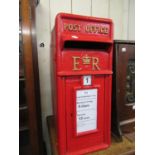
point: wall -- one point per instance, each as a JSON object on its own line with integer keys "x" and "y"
{"x": 121, "y": 11}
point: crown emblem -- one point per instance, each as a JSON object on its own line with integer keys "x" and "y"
{"x": 86, "y": 60}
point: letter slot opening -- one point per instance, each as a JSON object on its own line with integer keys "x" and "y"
{"x": 86, "y": 45}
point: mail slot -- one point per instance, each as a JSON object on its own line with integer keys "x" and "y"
{"x": 82, "y": 74}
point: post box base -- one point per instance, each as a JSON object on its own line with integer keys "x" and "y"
{"x": 124, "y": 147}
{"x": 80, "y": 152}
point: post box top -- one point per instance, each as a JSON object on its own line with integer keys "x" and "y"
{"x": 84, "y": 25}
{"x": 81, "y": 17}
{"x": 83, "y": 45}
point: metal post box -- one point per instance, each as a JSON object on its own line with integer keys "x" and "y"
{"x": 82, "y": 76}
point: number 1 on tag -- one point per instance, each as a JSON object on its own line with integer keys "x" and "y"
{"x": 87, "y": 80}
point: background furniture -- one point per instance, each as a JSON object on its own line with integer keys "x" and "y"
{"x": 123, "y": 101}
{"x": 30, "y": 128}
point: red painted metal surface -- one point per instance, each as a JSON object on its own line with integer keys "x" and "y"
{"x": 82, "y": 46}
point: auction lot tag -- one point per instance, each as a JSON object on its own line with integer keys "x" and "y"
{"x": 87, "y": 80}
{"x": 86, "y": 110}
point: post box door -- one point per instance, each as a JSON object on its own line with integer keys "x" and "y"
{"x": 85, "y": 113}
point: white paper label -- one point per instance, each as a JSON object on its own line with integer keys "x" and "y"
{"x": 86, "y": 110}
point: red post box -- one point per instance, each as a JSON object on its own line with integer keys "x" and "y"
{"x": 82, "y": 62}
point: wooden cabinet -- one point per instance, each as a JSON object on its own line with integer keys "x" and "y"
{"x": 123, "y": 101}
{"x": 30, "y": 128}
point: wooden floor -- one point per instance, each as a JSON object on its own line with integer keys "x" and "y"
{"x": 126, "y": 147}
{"x": 118, "y": 148}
